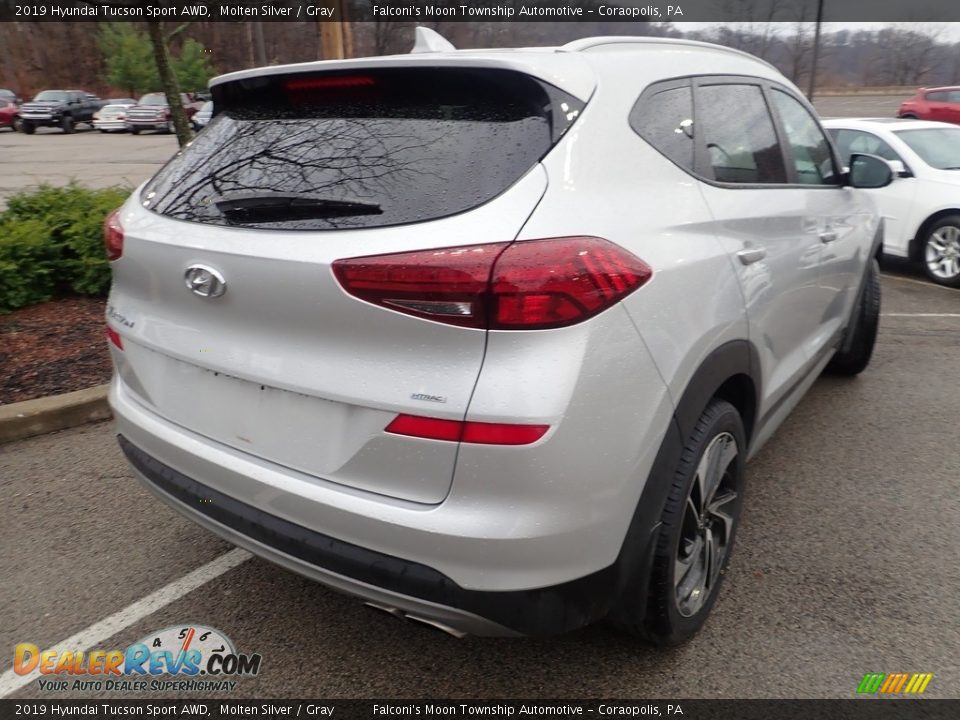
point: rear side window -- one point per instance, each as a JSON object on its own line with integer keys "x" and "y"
{"x": 663, "y": 117}
{"x": 361, "y": 149}
{"x": 739, "y": 135}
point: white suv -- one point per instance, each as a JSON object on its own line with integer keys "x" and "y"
{"x": 486, "y": 338}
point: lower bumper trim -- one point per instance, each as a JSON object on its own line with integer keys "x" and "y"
{"x": 377, "y": 576}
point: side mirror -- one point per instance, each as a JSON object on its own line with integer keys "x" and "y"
{"x": 899, "y": 169}
{"x": 869, "y": 172}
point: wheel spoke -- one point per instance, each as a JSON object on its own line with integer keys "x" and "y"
{"x": 691, "y": 591}
{"x": 714, "y": 457}
{"x": 718, "y": 509}
{"x": 950, "y": 266}
{"x": 693, "y": 511}
{"x": 714, "y": 552}
{"x": 685, "y": 560}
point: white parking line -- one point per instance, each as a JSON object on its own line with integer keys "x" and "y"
{"x": 917, "y": 282}
{"x": 110, "y": 626}
{"x": 956, "y": 315}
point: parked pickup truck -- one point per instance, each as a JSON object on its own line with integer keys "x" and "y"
{"x": 59, "y": 108}
{"x": 153, "y": 113}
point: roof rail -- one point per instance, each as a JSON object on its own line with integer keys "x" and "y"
{"x": 594, "y": 42}
{"x": 428, "y": 40}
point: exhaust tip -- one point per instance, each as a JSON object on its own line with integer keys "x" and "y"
{"x": 396, "y": 612}
{"x": 400, "y": 614}
{"x": 459, "y": 634}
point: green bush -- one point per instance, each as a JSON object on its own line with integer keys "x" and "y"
{"x": 27, "y": 264}
{"x": 52, "y": 239}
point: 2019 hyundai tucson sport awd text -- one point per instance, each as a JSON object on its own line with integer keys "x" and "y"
{"x": 486, "y": 338}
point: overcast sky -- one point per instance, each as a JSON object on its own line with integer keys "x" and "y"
{"x": 948, "y": 31}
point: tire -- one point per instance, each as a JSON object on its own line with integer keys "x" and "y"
{"x": 940, "y": 251}
{"x": 66, "y": 123}
{"x": 859, "y": 349}
{"x": 104, "y": 131}
{"x": 909, "y": 116}
{"x": 17, "y": 125}
{"x": 134, "y": 131}
{"x": 683, "y": 582}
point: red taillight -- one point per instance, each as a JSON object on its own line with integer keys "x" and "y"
{"x": 468, "y": 432}
{"x": 449, "y": 284}
{"x": 113, "y": 236}
{"x": 528, "y": 285}
{"x": 114, "y": 337}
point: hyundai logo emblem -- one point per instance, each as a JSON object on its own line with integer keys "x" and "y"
{"x": 204, "y": 281}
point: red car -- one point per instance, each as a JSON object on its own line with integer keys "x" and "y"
{"x": 941, "y": 104}
{"x": 9, "y": 111}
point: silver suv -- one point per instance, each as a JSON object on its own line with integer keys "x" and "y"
{"x": 486, "y": 338}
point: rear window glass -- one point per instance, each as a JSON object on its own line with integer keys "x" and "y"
{"x": 362, "y": 148}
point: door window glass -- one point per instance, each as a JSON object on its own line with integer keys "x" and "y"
{"x": 809, "y": 148}
{"x": 738, "y": 133}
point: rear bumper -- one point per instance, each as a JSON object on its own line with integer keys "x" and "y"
{"x": 392, "y": 553}
{"x": 327, "y": 560}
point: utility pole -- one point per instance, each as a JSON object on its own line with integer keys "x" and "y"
{"x": 816, "y": 52}
{"x": 336, "y": 41}
{"x": 258, "y": 43}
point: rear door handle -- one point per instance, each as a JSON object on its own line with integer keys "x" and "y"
{"x": 828, "y": 236}
{"x": 751, "y": 255}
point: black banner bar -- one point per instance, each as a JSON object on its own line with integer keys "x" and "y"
{"x": 678, "y": 11}
{"x": 874, "y": 708}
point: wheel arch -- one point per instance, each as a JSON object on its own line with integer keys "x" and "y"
{"x": 731, "y": 372}
{"x": 916, "y": 245}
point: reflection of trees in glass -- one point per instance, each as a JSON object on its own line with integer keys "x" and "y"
{"x": 413, "y": 168}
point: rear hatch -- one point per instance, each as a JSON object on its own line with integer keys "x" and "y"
{"x": 295, "y": 172}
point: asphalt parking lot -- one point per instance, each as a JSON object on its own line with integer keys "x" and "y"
{"x": 92, "y": 158}
{"x": 846, "y": 561}
{"x": 858, "y": 105}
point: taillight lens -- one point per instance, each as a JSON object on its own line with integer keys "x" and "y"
{"x": 468, "y": 432}
{"x": 114, "y": 337}
{"x": 113, "y": 236}
{"x": 528, "y": 285}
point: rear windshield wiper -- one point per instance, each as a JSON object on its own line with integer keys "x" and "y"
{"x": 277, "y": 208}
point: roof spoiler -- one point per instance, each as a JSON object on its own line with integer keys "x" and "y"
{"x": 428, "y": 40}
